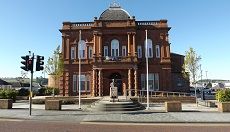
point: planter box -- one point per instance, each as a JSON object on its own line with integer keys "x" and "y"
{"x": 53, "y": 104}
{"x": 173, "y": 106}
{"x": 224, "y": 107}
{"x": 6, "y": 103}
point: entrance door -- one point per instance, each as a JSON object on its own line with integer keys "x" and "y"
{"x": 117, "y": 81}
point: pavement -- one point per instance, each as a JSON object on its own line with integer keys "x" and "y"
{"x": 191, "y": 113}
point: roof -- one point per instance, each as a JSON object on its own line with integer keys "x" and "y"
{"x": 115, "y": 12}
{"x": 2, "y": 82}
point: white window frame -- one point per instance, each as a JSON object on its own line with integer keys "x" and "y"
{"x": 74, "y": 83}
{"x": 139, "y": 51}
{"x": 149, "y": 48}
{"x": 90, "y": 52}
{"x": 115, "y": 48}
{"x": 124, "y": 51}
{"x": 81, "y": 49}
{"x": 84, "y": 80}
{"x": 153, "y": 79}
{"x": 73, "y": 53}
{"x": 106, "y": 51}
{"x": 156, "y": 78}
{"x": 158, "y": 53}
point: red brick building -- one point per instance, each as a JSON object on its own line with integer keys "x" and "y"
{"x": 113, "y": 47}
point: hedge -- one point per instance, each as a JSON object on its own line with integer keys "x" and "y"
{"x": 223, "y": 95}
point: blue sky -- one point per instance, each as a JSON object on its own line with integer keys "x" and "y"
{"x": 33, "y": 25}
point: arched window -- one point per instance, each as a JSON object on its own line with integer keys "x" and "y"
{"x": 81, "y": 49}
{"x": 149, "y": 48}
{"x": 114, "y": 47}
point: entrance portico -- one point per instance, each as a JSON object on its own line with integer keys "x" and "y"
{"x": 125, "y": 79}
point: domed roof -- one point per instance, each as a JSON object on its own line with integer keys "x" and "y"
{"x": 115, "y": 12}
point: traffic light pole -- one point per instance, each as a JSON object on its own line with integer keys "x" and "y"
{"x": 31, "y": 83}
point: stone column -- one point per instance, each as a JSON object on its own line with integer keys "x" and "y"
{"x": 94, "y": 44}
{"x": 100, "y": 45}
{"x": 67, "y": 47}
{"x": 100, "y": 82}
{"x": 134, "y": 44}
{"x": 168, "y": 51}
{"x": 93, "y": 86}
{"x": 63, "y": 46}
{"x": 129, "y": 81}
{"x": 129, "y": 44}
{"x": 135, "y": 81}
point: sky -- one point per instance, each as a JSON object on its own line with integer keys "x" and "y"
{"x": 33, "y": 25}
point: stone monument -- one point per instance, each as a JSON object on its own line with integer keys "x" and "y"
{"x": 113, "y": 91}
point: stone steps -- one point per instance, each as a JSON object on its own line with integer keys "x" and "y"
{"x": 120, "y": 105}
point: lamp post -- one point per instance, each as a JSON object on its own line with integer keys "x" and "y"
{"x": 147, "y": 67}
{"x": 79, "y": 72}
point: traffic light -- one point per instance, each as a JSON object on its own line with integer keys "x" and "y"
{"x": 30, "y": 64}
{"x": 39, "y": 63}
{"x": 25, "y": 62}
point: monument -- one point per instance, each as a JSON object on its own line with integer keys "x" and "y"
{"x": 113, "y": 91}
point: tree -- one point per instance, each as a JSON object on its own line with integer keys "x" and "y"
{"x": 191, "y": 64}
{"x": 55, "y": 65}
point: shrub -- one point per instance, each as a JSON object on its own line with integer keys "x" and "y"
{"x": 223, "y": 95}
{"x": 49, "y": 91}
{"x": 41, "y": 91}
{"x": 8, "y": 94}
{"x": 23, "y": 92}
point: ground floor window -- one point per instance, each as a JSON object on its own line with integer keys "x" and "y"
{"x": 85, "y": 83}
{"x": 153, "y": 81}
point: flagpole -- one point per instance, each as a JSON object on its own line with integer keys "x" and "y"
{"x": 79, "y": 76}
{"x": 147, "y": 67}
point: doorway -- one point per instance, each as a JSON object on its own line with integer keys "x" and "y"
{"x": 118, "y": 82}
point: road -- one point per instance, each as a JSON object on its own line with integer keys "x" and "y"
{"x": 14, "y": 125}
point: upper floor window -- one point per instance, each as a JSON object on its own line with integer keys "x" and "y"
{"x": 124, "y": 51}
{"x": 139, "y": 51}
{"x": 114, "y": 47}
{"x": 81, "y": 49}
{"x": 106, "y": 51}
{"x": 90, "y": 52}
{"x": 149, "y": 48}
{"x": 73, "y": 53}
{"x": 157, "y": 51}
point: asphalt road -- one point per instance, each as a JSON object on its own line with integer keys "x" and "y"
{"x": 14, "y": 125}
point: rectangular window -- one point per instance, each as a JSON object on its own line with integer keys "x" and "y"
{"x": 88, "y": 83}
{"x": 72, "y": 53}
{"x": 150, "y": 54}
{"x": 82, "y": 82}
{"x": 106, "y": 51}
{"x": 117, "y": 53}
{"x": 139, "y": 52}
{"x": 74, "y": 83}
{"x": 157, "y": 51}
{"x": 156, "y": 86}
{"x": 153, "y": 81}
{"x": 82, "y": 54}
{"x": 90, "y": 52}
{"x": 143, "y": 81}
{"x": 123, "y": 50}
{"x": 112, "y": 52}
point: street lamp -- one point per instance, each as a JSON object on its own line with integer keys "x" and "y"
{"x": 147, "y": 67}
{"x": 79, "y": 76}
